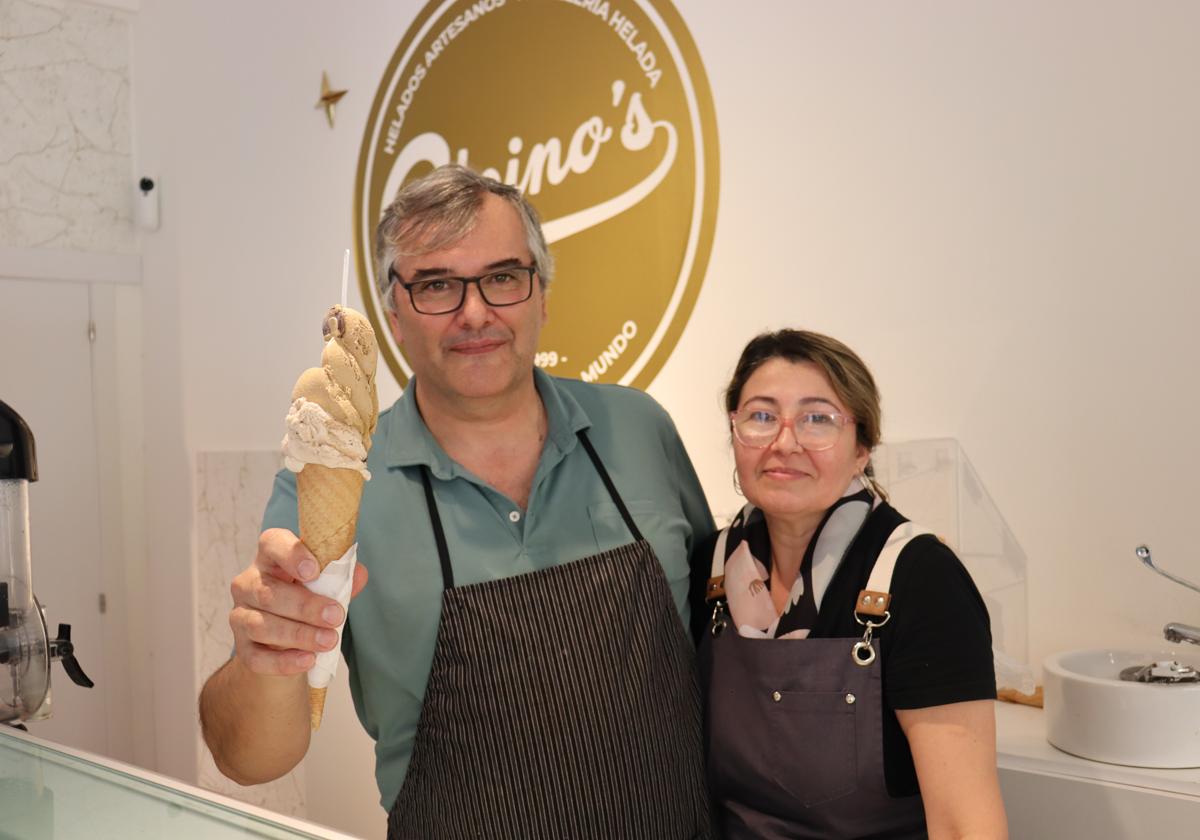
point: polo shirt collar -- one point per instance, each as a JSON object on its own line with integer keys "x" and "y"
{"x": 410, "y": 443}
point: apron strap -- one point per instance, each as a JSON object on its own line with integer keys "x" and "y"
{"x": 439, "y": 535}
{"x": 875, "y": 599}
{"x": 718, "y": 559}
{"x": 608, "y": 484}
{"x": 715, "y": 588}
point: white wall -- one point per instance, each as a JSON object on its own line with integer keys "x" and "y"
{"x": 994, "y": 203}
{"x": 65, "y": 221}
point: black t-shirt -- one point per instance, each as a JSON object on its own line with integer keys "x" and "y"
{"x": 935, "y": 649}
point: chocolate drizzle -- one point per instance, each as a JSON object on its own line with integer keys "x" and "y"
{"x": 336, "y": 315}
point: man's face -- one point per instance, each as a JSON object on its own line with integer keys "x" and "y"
{"x": 478, "y": 351}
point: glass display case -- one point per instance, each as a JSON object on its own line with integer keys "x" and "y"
{"x": 933, "y": 483}
{"x": 48, "y": 791}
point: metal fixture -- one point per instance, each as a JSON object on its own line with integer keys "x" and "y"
{"x": 1143, "y": 553}
{"x": 26, "y": 648}
{"x": 1175, "y": 632}
{"x": 1167, "y": 672}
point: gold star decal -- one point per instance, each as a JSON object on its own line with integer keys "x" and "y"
{"x": 329, "y": 98}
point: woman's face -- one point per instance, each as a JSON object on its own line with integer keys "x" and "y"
{"x": 784, "y": 479}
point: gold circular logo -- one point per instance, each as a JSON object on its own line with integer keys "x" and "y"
{"x": 600, "y": 112}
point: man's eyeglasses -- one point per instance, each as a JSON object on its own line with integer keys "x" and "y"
{"x": 440, "y": 295}
{"x": 758, "y": 428}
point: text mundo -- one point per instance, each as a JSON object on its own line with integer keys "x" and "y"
{"x": 608, "y": 357}
{"x": 553, "y": 161}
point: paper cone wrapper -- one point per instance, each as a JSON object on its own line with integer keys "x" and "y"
{"x": 335, "y": 582}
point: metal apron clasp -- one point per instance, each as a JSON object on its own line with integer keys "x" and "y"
{"x": 857, "y": 652}
{"x": 718, "y": 622}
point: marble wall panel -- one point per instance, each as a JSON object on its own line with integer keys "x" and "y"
{"x": 66, "y": 176}
{"x": 231, "y": 492}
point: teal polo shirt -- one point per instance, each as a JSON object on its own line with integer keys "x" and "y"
{"x": 393, "y": 623}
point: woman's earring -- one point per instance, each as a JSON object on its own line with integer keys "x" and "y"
{"x": 868, "y": 483}
{"x": 737, "y": 485}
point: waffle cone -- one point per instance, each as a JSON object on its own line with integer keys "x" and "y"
{"x": 316, "y": 706}
{"x": 328, "y": 504}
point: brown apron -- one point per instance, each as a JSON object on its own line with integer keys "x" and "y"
{"x": 561, "y": 703}
{"x": 795, "y": 732}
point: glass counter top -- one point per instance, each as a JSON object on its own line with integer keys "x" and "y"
{"x": 49, "y": 791}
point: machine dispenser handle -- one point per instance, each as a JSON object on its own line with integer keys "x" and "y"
{"x": 61, "y": 648}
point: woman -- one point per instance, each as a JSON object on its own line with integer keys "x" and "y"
{"x": 830, "y": 715}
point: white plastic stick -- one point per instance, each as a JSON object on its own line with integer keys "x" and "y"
{"x": 345, "y": 275}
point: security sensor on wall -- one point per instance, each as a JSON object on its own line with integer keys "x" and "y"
{"x": 145, "y": 203}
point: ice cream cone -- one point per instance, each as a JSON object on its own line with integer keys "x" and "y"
{"x": 316, "y": 707}
{"x": 339, "y": 404}
{"x": 328, "y": 506}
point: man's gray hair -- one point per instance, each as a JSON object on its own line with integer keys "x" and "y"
{"x": 437, "y": 211}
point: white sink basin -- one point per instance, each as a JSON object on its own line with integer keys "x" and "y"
{"x": 1091, "y": 712}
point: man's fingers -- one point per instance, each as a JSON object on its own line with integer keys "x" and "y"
{"x": 250, "y": 625}
{"x": 282, "y": 555}
{"x": 278, "y": 625}
{"x": 276, "y": 663}
{"x": 287, "y": 600}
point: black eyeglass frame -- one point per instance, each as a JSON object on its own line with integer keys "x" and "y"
{"x": 393, "y": 277}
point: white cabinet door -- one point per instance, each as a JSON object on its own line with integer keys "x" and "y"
{"x": 1048, "y": 805}
{"x": 46, "y": 376}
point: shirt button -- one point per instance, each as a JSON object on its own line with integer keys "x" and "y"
{"x": 515, "y": 516}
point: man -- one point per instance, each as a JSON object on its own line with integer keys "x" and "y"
{"x": 519, "y": 654}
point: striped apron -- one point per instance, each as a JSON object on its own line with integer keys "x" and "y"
{"x": 561, "y": 703}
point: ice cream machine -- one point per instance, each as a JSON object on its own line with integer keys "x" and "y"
{"x": 26, "y": 648}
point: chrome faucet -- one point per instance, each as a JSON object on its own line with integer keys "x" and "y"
{"x": 1173, "y": 632}
{"x": 1182, "y": 633}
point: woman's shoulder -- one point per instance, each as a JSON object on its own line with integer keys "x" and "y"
{"x": 928, "y": 568}
{"x": 925, "y": 556}
{"x": 748, "y": 522}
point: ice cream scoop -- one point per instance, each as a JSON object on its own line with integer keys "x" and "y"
{"x": 344, "y": 384}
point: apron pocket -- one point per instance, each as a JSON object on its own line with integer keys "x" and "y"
{"x": 812, "y": 752}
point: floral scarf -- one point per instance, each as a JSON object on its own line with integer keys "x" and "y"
{"x": 748, "y": 567}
